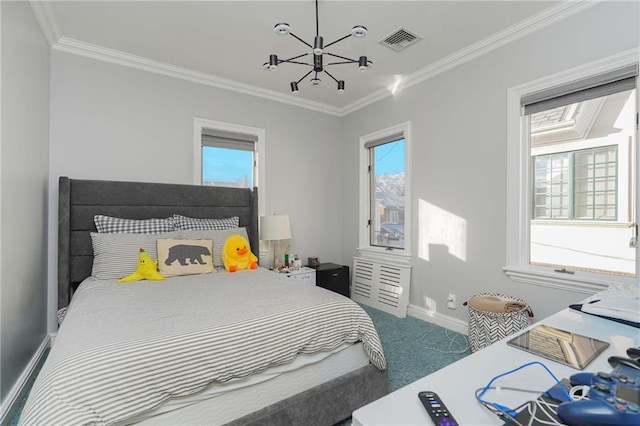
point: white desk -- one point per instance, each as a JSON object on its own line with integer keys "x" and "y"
{"x": 456, "y": 384}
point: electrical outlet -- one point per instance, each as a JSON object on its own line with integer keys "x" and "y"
{"x": 451, "y": 301}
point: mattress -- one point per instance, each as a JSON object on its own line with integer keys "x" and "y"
{"x": 129, "y": 351}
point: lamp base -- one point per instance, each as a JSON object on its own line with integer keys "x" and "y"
{"x": 275, "y": 265}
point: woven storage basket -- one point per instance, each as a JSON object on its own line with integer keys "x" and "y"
{"x": 487, "y": 327}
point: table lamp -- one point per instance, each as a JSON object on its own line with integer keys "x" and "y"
{"x": 275, "y": 228}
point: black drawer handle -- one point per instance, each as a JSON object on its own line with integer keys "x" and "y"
{"x": 336, "y": 274}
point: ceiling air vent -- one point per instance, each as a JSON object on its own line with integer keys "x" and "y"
{"x": 400, "y": 39}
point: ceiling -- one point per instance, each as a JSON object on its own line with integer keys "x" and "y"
{"x": 225, "y": 43}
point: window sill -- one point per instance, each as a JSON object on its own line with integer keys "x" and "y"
{"x": 543, "y": 279}
{"x": 398, "y": 256}
{"x": 583, "y": 223}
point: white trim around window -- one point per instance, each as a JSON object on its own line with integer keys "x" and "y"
{"x": 518, "y": 182}
{"x": 364, "y": 248}
{"x": 200, "y": 124}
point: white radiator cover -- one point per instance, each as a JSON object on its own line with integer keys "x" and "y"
{"x": 381, "y": 285}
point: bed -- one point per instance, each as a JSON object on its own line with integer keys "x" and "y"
{"x": 250, "y": 347}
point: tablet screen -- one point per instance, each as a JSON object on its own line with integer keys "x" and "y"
{"x": 567, "y": 348}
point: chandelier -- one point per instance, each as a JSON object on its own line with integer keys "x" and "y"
{"x": 318, "y": 51}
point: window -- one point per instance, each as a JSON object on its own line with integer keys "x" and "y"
{"x": 572, "y": 192}
{"x": 228, "y": 160}
{"x": 226, "y": 154}
{"x": 384, "y": 193}
{"x": 387, "y": 180}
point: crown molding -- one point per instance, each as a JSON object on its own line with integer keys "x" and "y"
{"x": 48, "y": 24}
{"x": 46, "y": 20}
{"x": 499, "y": 39}
{"x": 80, "y": 48}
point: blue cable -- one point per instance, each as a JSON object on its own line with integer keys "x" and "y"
{"x": 507, "y": 410}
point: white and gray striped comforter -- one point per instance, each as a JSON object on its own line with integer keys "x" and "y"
{"x": 125, "y": 348}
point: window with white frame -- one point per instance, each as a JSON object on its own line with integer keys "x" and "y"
{"x": 385, "y": 209}
{"x": 228, "y": 159}
{"x": 573, "y": 153}
{"x": 228, "y": 154}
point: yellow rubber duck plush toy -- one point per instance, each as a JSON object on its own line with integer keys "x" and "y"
{"x": 147, "y": 269}
{"x": 236, "y": 254}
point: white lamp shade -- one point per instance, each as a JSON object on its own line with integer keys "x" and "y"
{"x": 275, "y": 227}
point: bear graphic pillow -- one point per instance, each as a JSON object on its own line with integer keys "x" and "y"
{"x": 185, "y": 257}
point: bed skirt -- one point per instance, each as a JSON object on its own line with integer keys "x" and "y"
{"x": 326, "y": 404}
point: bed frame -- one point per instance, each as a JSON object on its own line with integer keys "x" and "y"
{"x": 80, "y": 200}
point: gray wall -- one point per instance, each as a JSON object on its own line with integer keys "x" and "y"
{"x": 24, "y": 171}
{"x": 119, "y": 123}
{"x": 460, "y": 149}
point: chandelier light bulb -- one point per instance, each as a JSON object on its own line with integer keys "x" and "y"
{"x": 317, "y": 45}
{"x": 341, "y": 86}
{"x": 315, "y": 81}
{"x": 282, "y": 28}
{"x": 359, "y": 31}
{"x": 273, "y": 62}
{"x": 363, "y": 63}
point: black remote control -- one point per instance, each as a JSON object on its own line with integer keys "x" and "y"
{"x": 436, "y": 409}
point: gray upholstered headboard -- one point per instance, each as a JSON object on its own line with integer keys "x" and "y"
{"x": 81, "y": 200}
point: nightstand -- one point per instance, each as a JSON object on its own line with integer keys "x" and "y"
{"x": 333, "y": 277}
{"x": 307, "y": 275}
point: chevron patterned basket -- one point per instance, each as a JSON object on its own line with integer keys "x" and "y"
{"x": 487, "y": 327}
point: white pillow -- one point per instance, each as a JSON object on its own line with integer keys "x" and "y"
{"x": 116, "y": 255}
{"x": 184, "y": 257}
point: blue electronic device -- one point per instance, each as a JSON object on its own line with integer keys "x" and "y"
{"x": 613, "y": 398}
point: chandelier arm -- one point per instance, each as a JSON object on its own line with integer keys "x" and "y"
{"x": 305, "y": 76}
{"x": 338, "y": 63}
{"x": 341, "y": 57}
{"x": 334, "y": 79}
{"x": 295, "y": 57}
{"x": 299, "y": 63}
{"x": 334, "y": 42}
{"x": 300, "y": 40}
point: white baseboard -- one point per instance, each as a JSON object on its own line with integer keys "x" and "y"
{"x": 18, "y": 387}
{"x": 437, "y": 318}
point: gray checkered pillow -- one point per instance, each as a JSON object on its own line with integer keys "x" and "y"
{"x": 117, "y": 225}
{"x": 191, "y": 223}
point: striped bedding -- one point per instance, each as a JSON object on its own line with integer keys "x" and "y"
{"x": 124, "y": 349}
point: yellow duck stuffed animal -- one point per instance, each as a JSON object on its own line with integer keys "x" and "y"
{"x": 147, "y": 269}
{"x": 236, "y": 254}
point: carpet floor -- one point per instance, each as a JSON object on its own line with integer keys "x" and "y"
{"x": 413, "y": 349}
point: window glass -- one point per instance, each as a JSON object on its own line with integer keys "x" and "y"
{"x": 227, "y": 167}
{"x": 551, "y": 186}
{"x": 387, "y": 174}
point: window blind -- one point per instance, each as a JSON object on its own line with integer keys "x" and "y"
{"x": 229, "y": 140}
{"x": 592, "y": 87}
{"x": 382, "y": 141}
